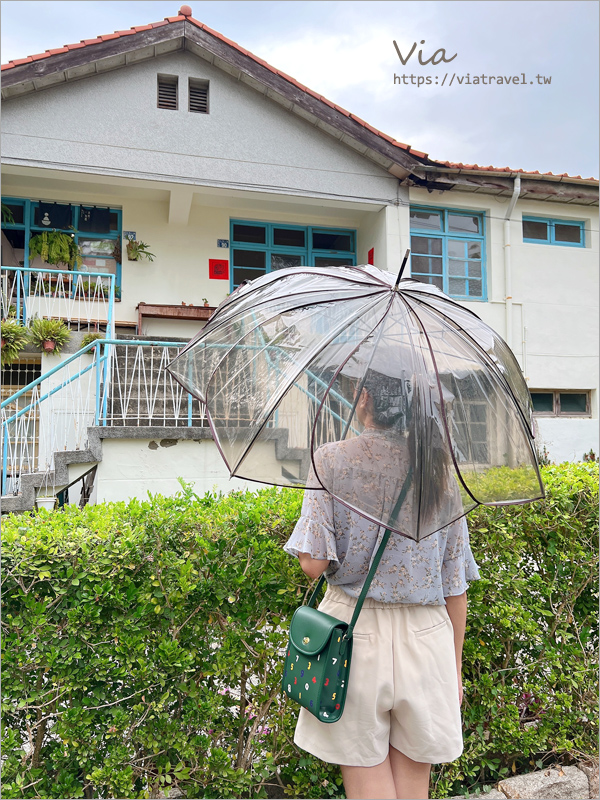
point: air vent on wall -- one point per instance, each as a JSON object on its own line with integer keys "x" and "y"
{"x": 198, "y": 96}
{"x": 167, "y": 92}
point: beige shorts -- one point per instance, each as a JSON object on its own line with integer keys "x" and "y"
{"x": 403, "y": 687}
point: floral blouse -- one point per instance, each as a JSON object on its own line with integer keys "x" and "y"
{"x": 421, "y": 573}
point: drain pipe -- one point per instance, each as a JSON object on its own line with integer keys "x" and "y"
{"x": 507, "y": 262}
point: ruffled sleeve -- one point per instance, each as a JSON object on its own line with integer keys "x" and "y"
{"x": 458, "y": 566}
{"x": 314, "y": 532}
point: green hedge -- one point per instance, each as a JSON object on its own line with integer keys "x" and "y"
{"x": 141, "y": 646}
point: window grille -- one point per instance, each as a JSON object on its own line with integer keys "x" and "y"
{"x": 167, "y": 92}
{"x": 198, "y": 94}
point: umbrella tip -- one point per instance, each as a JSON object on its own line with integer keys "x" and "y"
{"x": 402, "y": 266}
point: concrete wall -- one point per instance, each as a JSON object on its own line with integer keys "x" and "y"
{"x": 133, "y": 467}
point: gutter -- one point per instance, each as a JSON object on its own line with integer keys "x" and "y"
{"x": 507, "y": 261}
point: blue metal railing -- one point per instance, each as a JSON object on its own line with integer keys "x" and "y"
{"x": 22, "y": 290}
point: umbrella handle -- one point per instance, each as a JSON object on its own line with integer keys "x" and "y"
{"x": 402, "y": 266}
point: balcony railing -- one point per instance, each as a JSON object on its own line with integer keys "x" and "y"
{"x": 83, "y": 299}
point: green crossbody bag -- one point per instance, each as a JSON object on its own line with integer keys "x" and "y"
{"x": 319, "y": 651}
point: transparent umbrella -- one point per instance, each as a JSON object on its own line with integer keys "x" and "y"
{"x": 347, "y": 379}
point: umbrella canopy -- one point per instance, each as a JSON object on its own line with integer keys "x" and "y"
{"x": 346, "y": 380}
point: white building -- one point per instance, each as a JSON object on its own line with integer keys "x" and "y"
{"x": 227, "y": 168}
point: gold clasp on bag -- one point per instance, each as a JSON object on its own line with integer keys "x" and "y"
{"x": 306, "y": 640}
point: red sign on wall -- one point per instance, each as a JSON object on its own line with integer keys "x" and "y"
{"x": 371, "y": 256}
{"x": 218, "y": 268}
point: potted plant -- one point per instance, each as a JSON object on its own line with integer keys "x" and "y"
{"x": 138, "y": 250}
{"x": 89, "y": 338}
{"x": 55, "y": 247}
{"x": 205, "y": 301}
{"x": 14, "y": 339}
{"x": 50, "y": 335}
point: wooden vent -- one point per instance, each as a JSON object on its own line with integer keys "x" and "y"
{"x": 167, "y": 92}
{"x": 199, "y": 96}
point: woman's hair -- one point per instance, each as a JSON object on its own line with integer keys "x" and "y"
{"x": 391, "y": 399}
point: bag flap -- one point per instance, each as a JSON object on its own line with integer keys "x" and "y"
{"x": 310, "y": 629}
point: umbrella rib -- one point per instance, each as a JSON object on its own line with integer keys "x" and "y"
{"x": 442, "y": 403}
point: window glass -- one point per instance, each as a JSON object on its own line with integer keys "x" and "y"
{"x": 572, "y": 403}
{"x": 475, "y": 288}
{"x": 461, "y": 223}
{"x": 457, "y": 286}
{"x": 279, "y": 261}
{"x": 456, "y": 249}
{"x": 475, "y": 269}
{"x": 426, "y": 219}
{"x": 243, "y": 274}
{"x": 331, "y": 241}
{"x": 248, "y": 258}
{"x": 567, "y": 233}
{"x": 535, "y": 230}
{"x": 474, "y": 249}
{"x": 97, "y": 247}
{"x": 253, "y": 234}
{"x": 328, "y": 261}
{"x": 543, "y": 402}
{"x": 456, "y": 267}
{"x": 421, "y": 244}
{"x": 289, "y": 237}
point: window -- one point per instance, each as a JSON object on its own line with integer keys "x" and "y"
{"x": 198, "y": 96}
{"x": 97, "y": 231}
{"x": 448, "y": 251}
{"x": 167, "y": 86}
{"x": 558, "y": 403}
{"x": 553, "y": 231}
{"x": 261, "y": 247}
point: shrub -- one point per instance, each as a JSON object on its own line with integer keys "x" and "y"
{"x": 142, "y": 645}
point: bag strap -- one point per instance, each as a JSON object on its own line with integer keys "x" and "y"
{"x": 374, "y": 564}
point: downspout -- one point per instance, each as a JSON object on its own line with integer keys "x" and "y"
{"x": 507, "y": 262}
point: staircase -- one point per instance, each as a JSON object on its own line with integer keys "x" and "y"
{"x": 140, "y": 401}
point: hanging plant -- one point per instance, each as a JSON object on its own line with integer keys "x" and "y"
{"x": 138, "y": 250}
{"x": 89, "y": 338}
{"x": 14, "y": 339}
{"x": 49, "y": 335}
{"x": 7, "y": 215}
{"x": 55, "y": 247}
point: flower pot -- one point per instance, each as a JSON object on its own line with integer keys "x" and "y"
{"x": 45, "y": 502}
{"x": 49, "y": 346}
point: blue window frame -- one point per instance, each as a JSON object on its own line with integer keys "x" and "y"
{"x": 542, "y": 230}
{"x": 96, "y": 248}
{"x": 261, "y": 247}
{"x": 448, "y": 250}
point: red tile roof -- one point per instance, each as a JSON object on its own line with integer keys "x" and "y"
{"x": 185, "y": 14}
{"x": 477, "y": 167}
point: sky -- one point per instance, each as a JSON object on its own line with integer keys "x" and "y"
{"x": 512, "y": 82}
